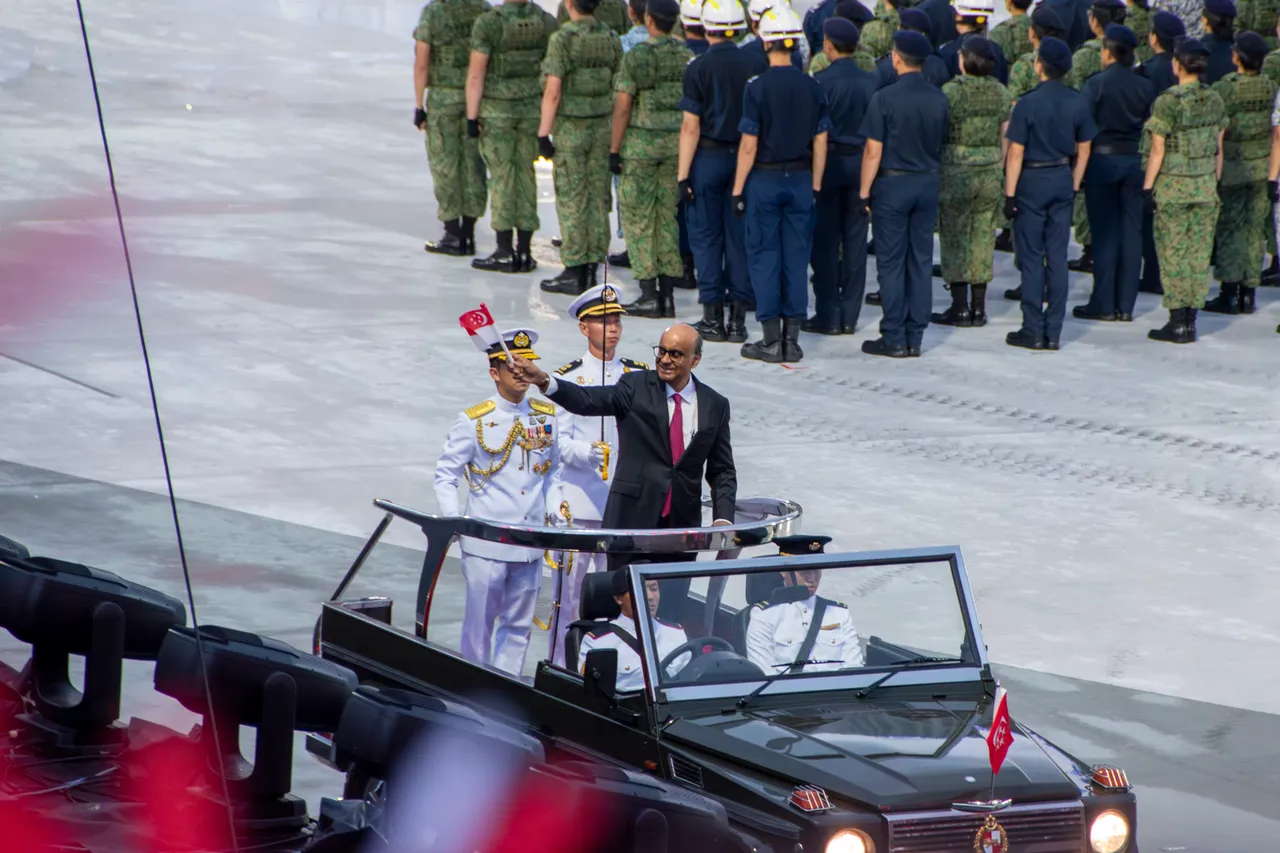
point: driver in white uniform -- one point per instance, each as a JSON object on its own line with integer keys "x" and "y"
{"x": 666, "y": 636}
{"x": 776, "y": 632}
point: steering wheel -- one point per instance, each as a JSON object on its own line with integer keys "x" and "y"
{"x": 696, "y": 647}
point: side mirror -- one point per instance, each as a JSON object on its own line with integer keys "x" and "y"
{"x": 600, "y": 674}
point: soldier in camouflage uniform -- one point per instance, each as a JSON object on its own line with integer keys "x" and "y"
{"x": 1011, "y": 33}
{"x": 1246, "y": 209}
{"x": 1138, "y": 19}
{"x": 1259, "y": 16}
{"x": 850, "y": 10}
{"x": 972, "y": 189}
{"x": 440, "y": 70}
{"x": 611, "y": 13}
{"x": 1183, "y": 140}
{"x": 645, "y": 150}
{"x": 877, "y": 34}
{"x": 503, "y": 96}
{"x": 582, "y": 58}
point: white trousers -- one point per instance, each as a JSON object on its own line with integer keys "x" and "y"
{"x": 499, "y": 615}
{"x": 571, "y": 591}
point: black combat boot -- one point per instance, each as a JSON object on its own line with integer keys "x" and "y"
{"x": 1084, "y": 263}
{"x": 873, "y": 298}
{"x": 978, "y": 304}
{"x": 648, "y": 305}
{"x": 1181, "y": 328}
{"x": 882, "y": 347}
{"x": 592, "y": 276}
{"x": 503, "y": 258}
{"x": 468, "y": 235}
{"x": 711, "y": 326}
{"x": 620, "y": 259}
{"x": 1014, "y": 294}
{"x": 451, "y": 243}
{"x": 1247, "y": 303}
{"x": 769, "y": 348}
{"x": 1227, "y": 301}
{"x": 1004, "y": 240}
{"x": 815, "y": 326}
{"x": 524, "y": 251}
{"x": 571, "y": 281}
{"x": 958, "y": 314}
{"x": 736, "y": 329}
{"x": 791, "y": 339}
{"x": 689, "y": 280}
{"x": 667, "y": 295}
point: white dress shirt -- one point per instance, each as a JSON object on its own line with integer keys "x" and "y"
{"x": 666, "y": 637}
{"x": 776, "y": 632}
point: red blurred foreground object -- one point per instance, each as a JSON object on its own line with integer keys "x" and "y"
{"x": 549, "y": 815}
{"x": 180, "y": 813}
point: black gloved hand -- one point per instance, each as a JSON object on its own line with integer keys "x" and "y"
{"x": 1010, "y": 207}
{"x": 686, "y": 191}
{"x": 1273, "y": 191}
{"x": 546, "y": 148}
{"x": 739, "y": 206}
{"x": 473, "y": 128}
{"x": 419, "y": 118}
{"x": 864, "y": 204}
{"x": 1148, "y": 201}
{"x": 615, "y": 163}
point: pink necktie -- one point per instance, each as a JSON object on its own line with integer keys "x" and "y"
{"x": 677, "y": 444}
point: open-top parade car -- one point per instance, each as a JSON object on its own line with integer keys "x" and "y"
{"x": 866, "y": 731}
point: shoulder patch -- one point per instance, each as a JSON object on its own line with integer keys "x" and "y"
{"x": 598, "y": 633}
{"x": 668, "y": 624}
{"x": 542, "y": 407}
{"x": 573, "y": 365}
{"x": 479, "y": 410}
{"x": 633, "y": 364}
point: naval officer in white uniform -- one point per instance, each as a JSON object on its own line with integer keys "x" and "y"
{"x": 777, "y": 632}
{"x": 666, "y": 637}
{"x": 504, "y": 450}
{"x": 579, "y": 487}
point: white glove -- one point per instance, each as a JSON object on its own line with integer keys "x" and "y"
{"x": 595, "y": 458}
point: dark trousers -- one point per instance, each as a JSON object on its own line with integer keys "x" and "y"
{"x": 905, "y": 209}
{"x": 839, "y": 254}
{"x": 1041, "y": 232}
{"x": 779, "y": 241}
{"x": 1114, "y": 203}
{"x": 716, "y": 236}
{"x": 682, "y": 223}
{"x": 1150, "y": 263}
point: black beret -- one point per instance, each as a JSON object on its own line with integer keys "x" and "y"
{"x": 620, "y": 581}
{"x": 669, "y": 9}
{"x": 800, "y": 544}
{"x": 842, "y": 31}
{"x": 979, "y": 46}
{"x": 1251, "y": 45}
{"x": 1191, "y": 47}
{"x": 1167, "y": 25}
{"x": 1120, "y": 34}
{"x": 1047, "y": 18}
{"x": 912, "y": 45}
{"x": 853, "y": 10}
{"x": 1055, "y": 54}
{"x": 1111, "y": 5}
{"x": 1221, "y": 8}
{"x": 915, "y": 19}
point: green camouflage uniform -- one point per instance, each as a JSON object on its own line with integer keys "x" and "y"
{"x": 1086, "y": 62}
{"x": 1011, "y": 35}
{"x": 1022, "y": 75}
{"x": 972, "y": 178}
{"x": 1246, "y": 211}
{"x": 514, "y": 36}
{"x": 1271, "y": 69}
{"x": 1258, "y": 16}
{"x": 861, "y": 57}
{"x": 1189, "y": 118}
{"x": 653, "y": 75}
{"x": 612, "y": 13}
{"x": 457, "y": 172}
{"x": 585, "y": 56}
{"x": 1138, "y": 19}
{"x": 877, "y": 34}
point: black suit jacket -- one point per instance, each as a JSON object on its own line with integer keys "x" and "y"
{"x": 644, "y": 473}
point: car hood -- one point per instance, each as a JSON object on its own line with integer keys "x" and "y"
{"x": 884, "y": 754}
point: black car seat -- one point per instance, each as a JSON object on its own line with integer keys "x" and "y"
{"x": 595, "y": 605}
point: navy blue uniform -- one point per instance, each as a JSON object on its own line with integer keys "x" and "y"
{"x": 1159, "y": 70}
{"x": 942, "y": 20}
{"x": 839, "y": 256}
{"x": 1120, "y": 100}
{"x": 756, "y": 47}
{"x": 909, "y": 118}
{"x": 934, "y": 70}
{"x": 950, "y": 53}
{"x": 698, "y": 46}
{"x": 1049, "y": 121}
{"x": 713, "y": 85}
{"x": 1220, "y": 64}
{"x": 784, "y": 109}
{"x": 813, "y": 21}
{"x": 1075, "y": 17}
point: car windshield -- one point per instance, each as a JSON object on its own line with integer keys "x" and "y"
{"x": 792, "y": 619}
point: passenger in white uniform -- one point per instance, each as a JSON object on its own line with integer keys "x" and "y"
{"x": 579, "y": 488}
{"x": 504, "y": 449}
{"x": 776, "y": 632}
{"x": 666, "y": 637}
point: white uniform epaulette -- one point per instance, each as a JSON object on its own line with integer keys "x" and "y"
{"x": 629, "y": 364}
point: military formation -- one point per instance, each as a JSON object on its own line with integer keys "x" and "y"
{"x": 751, "y": 154}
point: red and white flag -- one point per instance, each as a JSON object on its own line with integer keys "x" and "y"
{"x": 479, "y": 325}
{"x": 1000, "y": 738}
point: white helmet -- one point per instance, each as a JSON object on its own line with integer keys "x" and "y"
{"x": 690, "y": 13}
{"x": 780, "y": 23}
{"x": 723, "y": 16}
{"x": 982, "y": 9}
{"x": 756, "y": 8}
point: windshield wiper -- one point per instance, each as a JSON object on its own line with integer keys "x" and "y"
{"x": 806, "y": 663}
{"x": 746, "y": 700}
{"x": 905, "y": 664}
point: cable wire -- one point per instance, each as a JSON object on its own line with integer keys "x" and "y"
{"x": 155, "y": 410}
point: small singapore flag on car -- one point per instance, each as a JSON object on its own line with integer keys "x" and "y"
{"x": 1001, "y": 735}
{"x": 479, "y": 325}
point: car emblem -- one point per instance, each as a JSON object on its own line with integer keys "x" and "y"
{"x": 810, "y": 798}
{"x": 991, "y": 838}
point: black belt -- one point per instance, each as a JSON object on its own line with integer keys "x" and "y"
{"x": 789, "y": 165}
{"x": 1116, "y": 148}
{"x": 1046, "y": 164}
{"x": 845, "y": 148}
{"x": 893, "y": 173}
{"x": 708, "y": 142}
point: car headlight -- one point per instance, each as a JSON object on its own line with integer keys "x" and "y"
{"x": 850, "y": 841}
{"x": 1109, "y": 833}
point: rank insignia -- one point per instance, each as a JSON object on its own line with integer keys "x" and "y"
{"x": 991, "y": 838}
{"x": 521, "y": 340}
{"x": 609, "y": 295}
{"x": 582, "y": 381}
{"x": 491, "y": 424}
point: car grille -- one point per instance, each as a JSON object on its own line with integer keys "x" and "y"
{"x": 1032, "y": 828}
